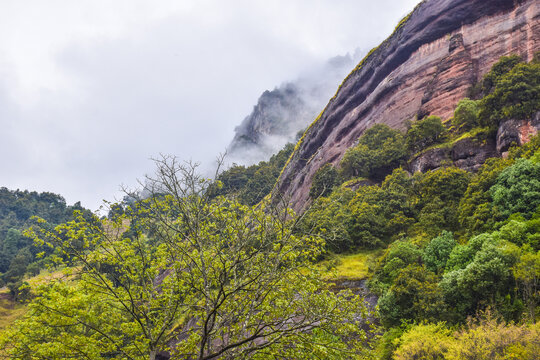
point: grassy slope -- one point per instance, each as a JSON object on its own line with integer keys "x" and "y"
{"x": 11, "y": 310}
{"x": 348, "y": 267}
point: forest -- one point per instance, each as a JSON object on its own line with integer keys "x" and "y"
{"x": 222, "y": 268}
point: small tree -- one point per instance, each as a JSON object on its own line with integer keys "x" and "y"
{"x": 379, "y": 151}
{"x": 516, "y": 96}
{"x": 466, "y": 114}
{"x": 438, "y": 251}
{"x": 414, "y": 295}
{"x": 324, "y": 180}
{"x": 518, "y": 189}
{"x": 425, "y": 132}
{"x": 527, "y": 272}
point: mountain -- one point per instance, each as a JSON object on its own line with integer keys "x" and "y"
{"x": 430, "y": 62}
{"x": 280, "y": 114}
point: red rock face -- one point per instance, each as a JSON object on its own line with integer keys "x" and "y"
{"x": 424, "y": 68}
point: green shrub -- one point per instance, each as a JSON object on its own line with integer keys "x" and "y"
{"x": 380, "y": 150}
{"x": 516, "y": 96}
{"x": 414, "y": 295}
{"x": 324, "y": 181}
{"x": 438, "y": 251}
{"x": 466, "y": 115}
{"x": 518, "y": 189}
{"x": 425, "y": 132}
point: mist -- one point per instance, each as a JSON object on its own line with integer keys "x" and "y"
{"x": 282, "y": 114}
{"x": 90, "y": 91}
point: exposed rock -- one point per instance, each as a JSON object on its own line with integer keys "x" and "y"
{"x": 425, "y": 67}
{"x": 429, "y": 160}
{"x": 516, "y": 132}
{"x": 359, "y": 287}
{"x": 469, "y": 154}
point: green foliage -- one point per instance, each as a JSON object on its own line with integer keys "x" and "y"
{"x": 16, "y": 209}
{"x": 516, "y": 96}
{"x": 476, "y": 212}
{"x": 484, "y": 280}
{"x": 425, "y": 132}
{"x": 367, "y": 218}
{"x": 485, "y": 338}
{"x": 388, "y": 342}
{"x": 466, "y": 115}
{"x": 414, "y": 295}
{"x": 327, "y": 217}
{"x": 398, "y": 256}
{"x": 497, "y": 72}
{"x": 527, "y": 273}
{"x": 216, "y": 278}
{"x": 249, "y": 185}
{"x": 441, "y": 191}
{"x": 324, "y": 181}
{"x": 380, "y": 150}
{"x": 424, "y": 341}
{"x": 517, "y": 189}
{"x": 438, "y": 251}
{"x": 380, "y": 212}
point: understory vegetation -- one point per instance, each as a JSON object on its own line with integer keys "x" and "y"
{"x": 456, "y": 246}
{"x": 208, "y": 269}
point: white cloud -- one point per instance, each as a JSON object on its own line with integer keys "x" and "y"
{"x": 89, "y": 90}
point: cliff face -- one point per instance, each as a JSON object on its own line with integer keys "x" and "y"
{"x": 424, "y": 68}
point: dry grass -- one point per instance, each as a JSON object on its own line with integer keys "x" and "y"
{"x": 9, "y": 310}
{"x": 44, "y": 277}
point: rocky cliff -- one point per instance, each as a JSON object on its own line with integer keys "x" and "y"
{"x": 424, "y": 68}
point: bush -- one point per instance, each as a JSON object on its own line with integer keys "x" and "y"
{"x": 476, "y": 213}
{"x": 466, "y": 115}
{"x": 324, "y": 181}
{"x": 425, "y": 132}
{"x": 516, "y": 96}
{"x": 498, "y": 70}
{"x": 414, "y": 295}
{"x": 380, "y": 150}
{"x": 438, "y": 251}
{"x": 518, "y": 189}
{"x": 427, "y": 341}
{"x": 485, "y": 338}
{"x": 441, "y": 190}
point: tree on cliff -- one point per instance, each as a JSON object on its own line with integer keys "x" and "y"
{"x": 199, "y": 278}
{"x": 516, "y": 95}
{"x": 380, "y": 150}
{"x": 425, "y": 132}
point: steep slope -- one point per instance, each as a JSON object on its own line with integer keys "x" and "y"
{"x": 424, "y": 68}
{"x": 281, "y": 113}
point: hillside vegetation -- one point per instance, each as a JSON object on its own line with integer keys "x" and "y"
{"x": 208, "y": 269}
{"x": 456, "y": 244}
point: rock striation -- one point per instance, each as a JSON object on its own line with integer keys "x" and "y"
{"x": 424, "y": 68}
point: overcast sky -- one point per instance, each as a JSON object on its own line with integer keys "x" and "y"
{"x": 91, "y": 90}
